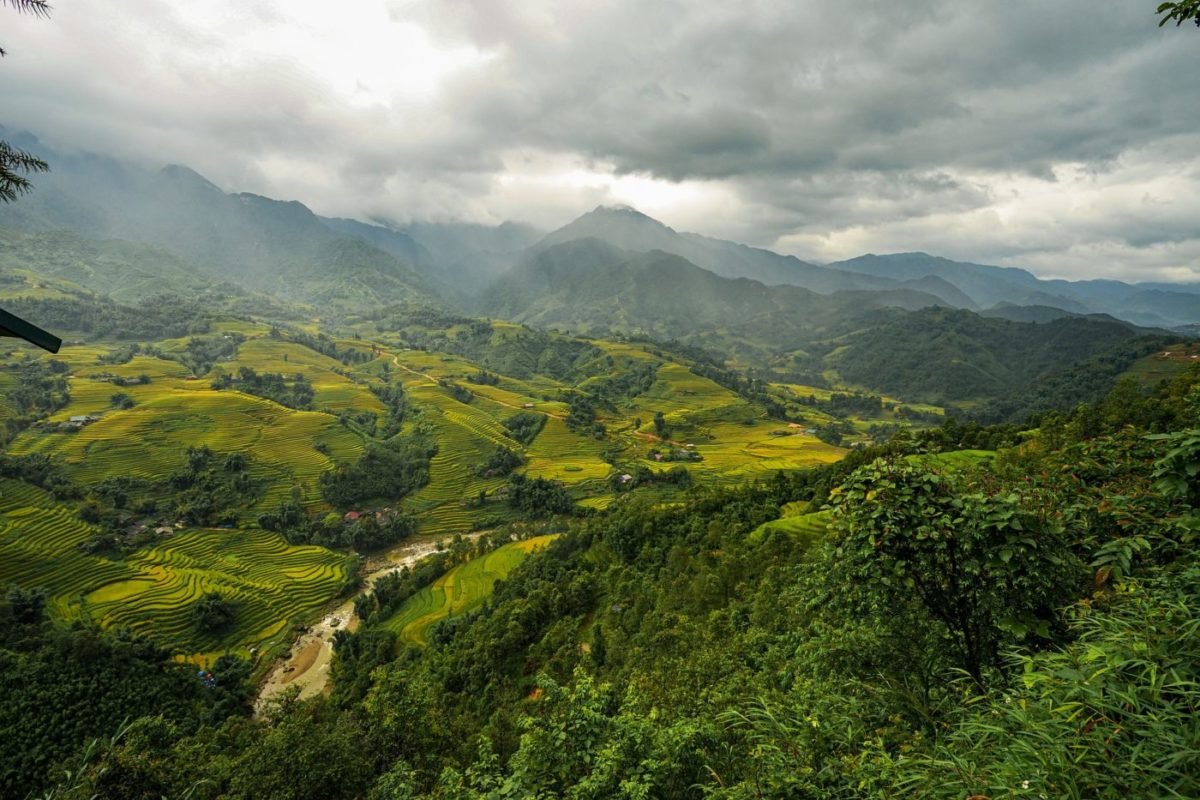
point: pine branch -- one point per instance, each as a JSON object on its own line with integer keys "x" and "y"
{"x": 38, "y": 8}
{"x": 13, "y": 162}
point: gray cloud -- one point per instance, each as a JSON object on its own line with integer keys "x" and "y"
{"x": 1019, "y": 132}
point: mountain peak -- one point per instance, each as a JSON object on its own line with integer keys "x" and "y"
{"x": 625, "y": 227}
{"x": 617, "y": 207}
{"x": 621, "y": 214}
{"x": 183, "y": 174}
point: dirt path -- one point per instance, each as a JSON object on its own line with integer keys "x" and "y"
{"x": 307, "y": 664}
{"x": 428, "y": 377}
{"x": 425, "y": 375}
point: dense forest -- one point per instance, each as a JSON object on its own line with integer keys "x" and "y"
{"x": 1018, "y": 626}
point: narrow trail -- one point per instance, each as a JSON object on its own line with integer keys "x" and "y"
{"x": 307, "y": 663}
{"x": 425, "y": 375}
{"x": 431, "y": 379}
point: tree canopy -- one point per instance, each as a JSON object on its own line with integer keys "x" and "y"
{"x": 1179, "y": 13}
{"x": 15, "y": 163}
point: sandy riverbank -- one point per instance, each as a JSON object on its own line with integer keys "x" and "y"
{"x": 307, "y": 664}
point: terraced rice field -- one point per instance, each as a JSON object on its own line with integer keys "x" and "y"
{"x": 92, "y": 390}
{"x": 559, "y": 454}
{"x": 151, "y": 439}
{"x": 466, "y": 437}
{"x": 677, "y": 391}
{"x": 268, "y": 580}
{"x": 810, "y": 528}
{"x": 962, "y": 458}
{"x": 330, "y": 389}
{"x": 508, "y": 394}
{"x": 460, "y": 590}
{"x": 39, "y": 542}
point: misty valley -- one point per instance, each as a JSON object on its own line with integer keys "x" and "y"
{"x": 421, "y": 466}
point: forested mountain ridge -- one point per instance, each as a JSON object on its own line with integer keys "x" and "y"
{"x": 629, "y": 229}
{"x": 256, "y": 242}
{"x": 944, "y": 355}
{"x": 891, "y": 341}
{"x": 966, "y": 285}
{"x": 1154, "y": 305}
{"x": 282, "y": 247}
{"x": 589, "y": 284}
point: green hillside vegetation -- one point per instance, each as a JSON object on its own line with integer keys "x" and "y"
{"x": 194, "y": 475}
{"x": 1165, "y": 363}
{"x": 123, "y": 271}
{"x": 461, "y": 590}
{"x": 150, "y": 410}
{"x": 152, "y": 589}
{"x": 953, "y": 625}
{"x": 943, "y": 356}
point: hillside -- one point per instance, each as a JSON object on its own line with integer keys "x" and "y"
{"x": 755, "y": 640}
{"x": 591, "y": 286}
{"x": 954, "y": 283}
{"x": 1156, "y": 305}
{"x": 855, "y": 338}
{"x": 135, "y": 423}
{"x": 944, "y": 356}
{"x": 255, "y": 242}
{"x": 120, "y": 270}
{"x": 628, "y": 229}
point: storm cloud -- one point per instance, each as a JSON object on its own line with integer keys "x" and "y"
{"x": 1063, "y": 137}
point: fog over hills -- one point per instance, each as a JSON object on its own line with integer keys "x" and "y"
{"x": 282, "y": 247}
{"x": 960, "y": 284}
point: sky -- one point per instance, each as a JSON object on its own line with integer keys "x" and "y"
{"x": 1063, "y": 137}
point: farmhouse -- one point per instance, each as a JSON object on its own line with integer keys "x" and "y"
{"x": 351, "y": 516}
{"x": 77, "y": 422}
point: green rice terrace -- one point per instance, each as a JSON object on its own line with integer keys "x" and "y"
{"x": 597, "y": 419}
{"x": 152, "y": 591}
{"x": 460, "y": 590}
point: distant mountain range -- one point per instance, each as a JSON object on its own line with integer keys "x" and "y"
{"x": 910, "y": 323}
{"x": 261, "y": 244}
{"x": 285, "y": 249}
{"x": 591, "y": 286}
{"x": 958, "y": 284}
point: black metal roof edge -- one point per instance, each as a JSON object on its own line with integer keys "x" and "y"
{"x": 14, "y": 326}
